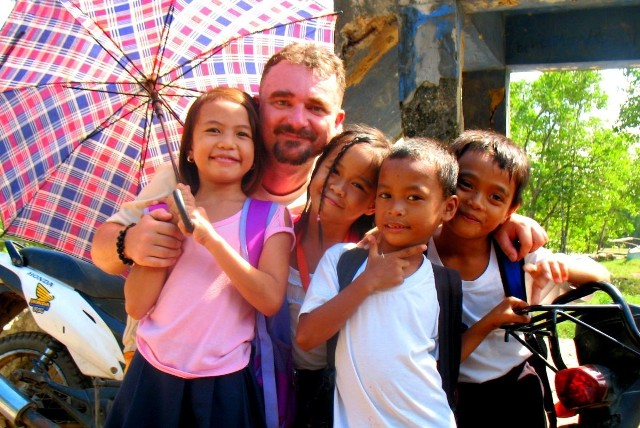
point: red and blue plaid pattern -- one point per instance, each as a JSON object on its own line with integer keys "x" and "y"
{"x": 77, "y": 134}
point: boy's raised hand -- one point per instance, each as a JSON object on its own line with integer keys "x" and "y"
{"x": 505, "y": 312}
{"x": 542, "y": 272}
{"x": 385, "y": 271}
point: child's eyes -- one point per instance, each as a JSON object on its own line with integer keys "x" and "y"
{"x": 214, "y": 130}
{"x": 244, "y": 134}
{"x": 383, "y": 196}
{"x": 464, "y": 184}
{"x": 497, "y": 198}
{"x": 358, "y": 186}
{"x": 414, "y": 198}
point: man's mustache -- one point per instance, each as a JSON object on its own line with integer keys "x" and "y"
{"x": 302, "y": 133}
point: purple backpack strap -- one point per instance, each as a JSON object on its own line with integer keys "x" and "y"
{"x": 254, "y": 219}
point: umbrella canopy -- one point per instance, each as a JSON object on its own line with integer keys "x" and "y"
{"x": 79, "y": 134}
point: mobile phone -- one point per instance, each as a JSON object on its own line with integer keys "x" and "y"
{"x": 177, "y": 196}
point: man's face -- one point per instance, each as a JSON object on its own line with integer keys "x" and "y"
{"x": 299, "y": 113}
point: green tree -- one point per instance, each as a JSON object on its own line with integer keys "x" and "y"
{"x": 630, "y": 110}
{"x": 581, "y": 171}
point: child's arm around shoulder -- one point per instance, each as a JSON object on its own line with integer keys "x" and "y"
{"x": 381, "y": 272}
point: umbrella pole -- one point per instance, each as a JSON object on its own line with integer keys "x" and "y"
{"x": 177, "y": 196}
{"x": 157, "y": 108}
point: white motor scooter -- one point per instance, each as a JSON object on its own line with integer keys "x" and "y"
{"x": 71, "y": 372}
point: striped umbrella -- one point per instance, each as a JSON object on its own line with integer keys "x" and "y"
{"x": 84, "y": 84}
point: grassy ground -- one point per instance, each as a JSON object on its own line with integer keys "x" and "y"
{"x": 626, "y": 276}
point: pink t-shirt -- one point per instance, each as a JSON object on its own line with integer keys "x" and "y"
{"x": 201, "y": 326}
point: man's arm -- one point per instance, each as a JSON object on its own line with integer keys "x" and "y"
{"x": 527, "y": 231}
{"x": 153, "y": 242}
{"x": 150, "y": 242}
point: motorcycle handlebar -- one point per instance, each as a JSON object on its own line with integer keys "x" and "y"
{"x": 563, "y": 303}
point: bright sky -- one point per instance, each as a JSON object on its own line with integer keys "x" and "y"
{"x": 5, "y": 8}
{"x": 613, "y": 83}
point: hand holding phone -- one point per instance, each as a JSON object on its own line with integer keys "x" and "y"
{"x": 186, "y": 220}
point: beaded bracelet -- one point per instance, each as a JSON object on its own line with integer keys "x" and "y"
{"x": 120, "y": 245}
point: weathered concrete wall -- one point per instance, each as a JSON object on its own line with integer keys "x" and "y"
{"x": 405, "y": 58}
{"x": 367, "y": 39}
{"x": 401, "y": 59}
{"x": 430, "y": 70}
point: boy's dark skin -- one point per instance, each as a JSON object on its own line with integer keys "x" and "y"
{"x": 398, "y": 253}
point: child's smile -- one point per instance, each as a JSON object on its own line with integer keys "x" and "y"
{"x": 222, "y": 142}
{"x": 486, "y": 194}
{"x": 410, "y": 203}
{"x": 350, "y": 185}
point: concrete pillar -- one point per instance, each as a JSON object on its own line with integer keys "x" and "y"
{"x": 429, "y": 69}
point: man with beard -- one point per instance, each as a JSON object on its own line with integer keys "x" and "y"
{"x": 300, "y": 102}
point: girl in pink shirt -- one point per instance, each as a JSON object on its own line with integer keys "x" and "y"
{"x": 197, "y": 319}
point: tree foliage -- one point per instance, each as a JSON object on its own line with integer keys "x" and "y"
{"x": 584, "y": 185}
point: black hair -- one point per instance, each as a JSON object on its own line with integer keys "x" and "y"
{"x": 505, "y": 153}
{"x": 432, "y": 152}
{"x": 352, "y": 135}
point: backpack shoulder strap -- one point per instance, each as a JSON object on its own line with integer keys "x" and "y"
{"x": 512, "y": 274}
{"x": 254, "y": 220}
{"x": 348, "y": 264}
{"x": 449, "y": 291}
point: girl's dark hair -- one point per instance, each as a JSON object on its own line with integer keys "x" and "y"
{"x": 351, "y": 136}
{"x": 505, "y": 153}
{"x": 431, "y": 152}
{"x": 189, "y": 171}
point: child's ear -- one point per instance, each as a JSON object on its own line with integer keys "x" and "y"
{"x": 450, "y": 207}
{"x": 511, "y": 210}
{"x": 371, "y": 210}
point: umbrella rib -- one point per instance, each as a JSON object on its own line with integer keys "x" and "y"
{"x": 98, "y": 129}
{"x": 105, "y": 91}
{"x": 204, "y": 56}
{"x": 79, "y": 12}
{"x": 165, "y": 36}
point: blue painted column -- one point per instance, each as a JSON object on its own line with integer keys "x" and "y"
{"x": 429, "y": 69}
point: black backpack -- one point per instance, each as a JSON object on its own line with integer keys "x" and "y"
{"x": 449, "y": 290}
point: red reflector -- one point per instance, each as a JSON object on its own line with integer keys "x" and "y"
{"x": 563, "y": 412}
{"x": 581, "y": 386}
